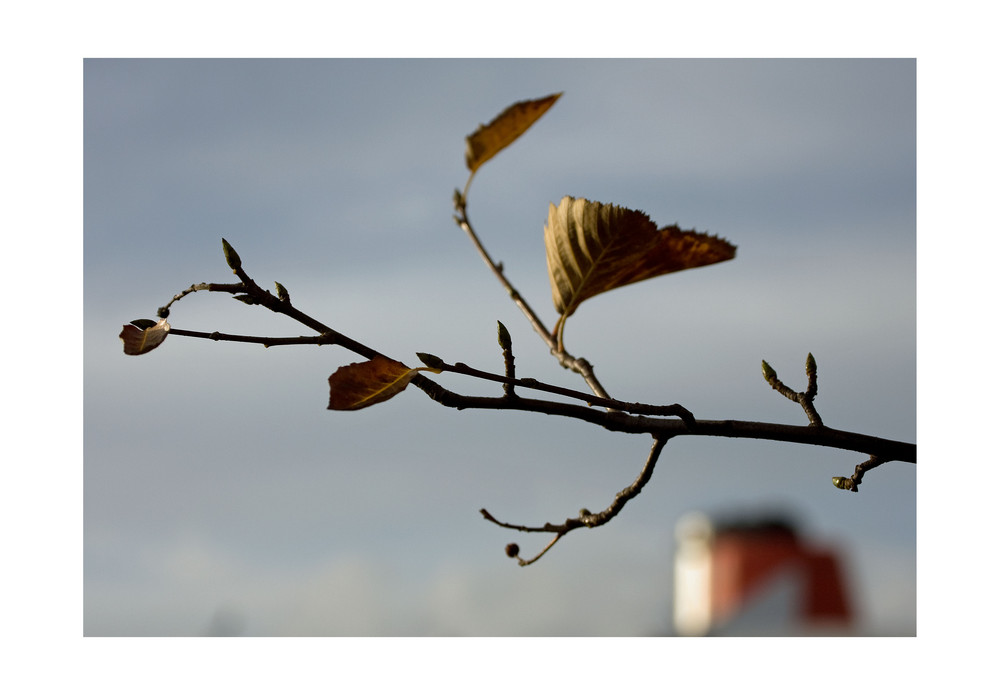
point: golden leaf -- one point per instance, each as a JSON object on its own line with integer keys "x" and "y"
{"x": 139, "y": 341}
{"x": 361, "y": 384}
{"x": 592, "y": 247}
{"x": 504, "y": 129}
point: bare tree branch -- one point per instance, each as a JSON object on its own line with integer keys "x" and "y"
{"x": 618, "y": 416}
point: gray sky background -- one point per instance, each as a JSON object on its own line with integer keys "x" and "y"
{"x": 221, "y": 495}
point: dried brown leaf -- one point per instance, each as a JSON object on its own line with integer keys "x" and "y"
{"x": 594, "y": 247}
{"x": 139, "y": 341}
{"x": 361, "y": 384}
{"x": 504, "y": 129}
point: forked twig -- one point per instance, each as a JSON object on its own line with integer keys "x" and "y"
{"x": 803, "y": 398}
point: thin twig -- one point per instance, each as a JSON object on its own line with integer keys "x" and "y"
{"x": 255, "y": 294}
{"x": 232, "y": 288}
{"x": 859, "y": 473}
{"x": 507, "y": 347}
{"x": 803, "y": 398}
{"x": 585, "y": 518}
{"x": 565, "y": 359}
{"x": 325, "y": 339}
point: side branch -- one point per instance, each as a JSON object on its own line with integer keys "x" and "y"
{"x": 586, "y": 518}
{"x": 566, "y": 360}
{"x": 324, "y": 339}
{"x": 249, "y": 292}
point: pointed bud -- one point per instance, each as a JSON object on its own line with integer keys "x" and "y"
{"x": 503, "y": 337}
{"x": 432, "y": 362}
{"x": 232, "y": 258}
{"x": 810, "y": 364}
{"x": 769, "y": 374}
{"x": 282, "y": 292}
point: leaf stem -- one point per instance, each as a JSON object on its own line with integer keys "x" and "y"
{"x": 565, "y": 359}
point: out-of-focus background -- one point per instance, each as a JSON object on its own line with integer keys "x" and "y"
{"x": 221, "y": 497}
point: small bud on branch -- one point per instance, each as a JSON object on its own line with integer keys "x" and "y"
{"x": 232, "y": 258}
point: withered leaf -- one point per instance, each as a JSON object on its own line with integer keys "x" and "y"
{"x": 143, "y": 323}
{"x": 504, "y": 129}
{"x": 361, "y": 384}
{"x": 595, "y": 247}
{"x": 138, "y": 341}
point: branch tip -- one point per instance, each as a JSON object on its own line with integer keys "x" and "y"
{"x": 503, "y": 336}
{"x": 854, "y": 481}
{"x": 770, "y": 376}
{"x": 232, "y": 258}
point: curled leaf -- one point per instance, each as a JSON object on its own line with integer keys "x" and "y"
{"x": 143, "y": 323}
{"x": 488, "y": 140}
{"x": 361, "y": 384}
{"x": 595, "y": 247}
{"x": 140, "y": 340}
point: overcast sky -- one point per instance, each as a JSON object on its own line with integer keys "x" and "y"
{"x": 220, "y": 494}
